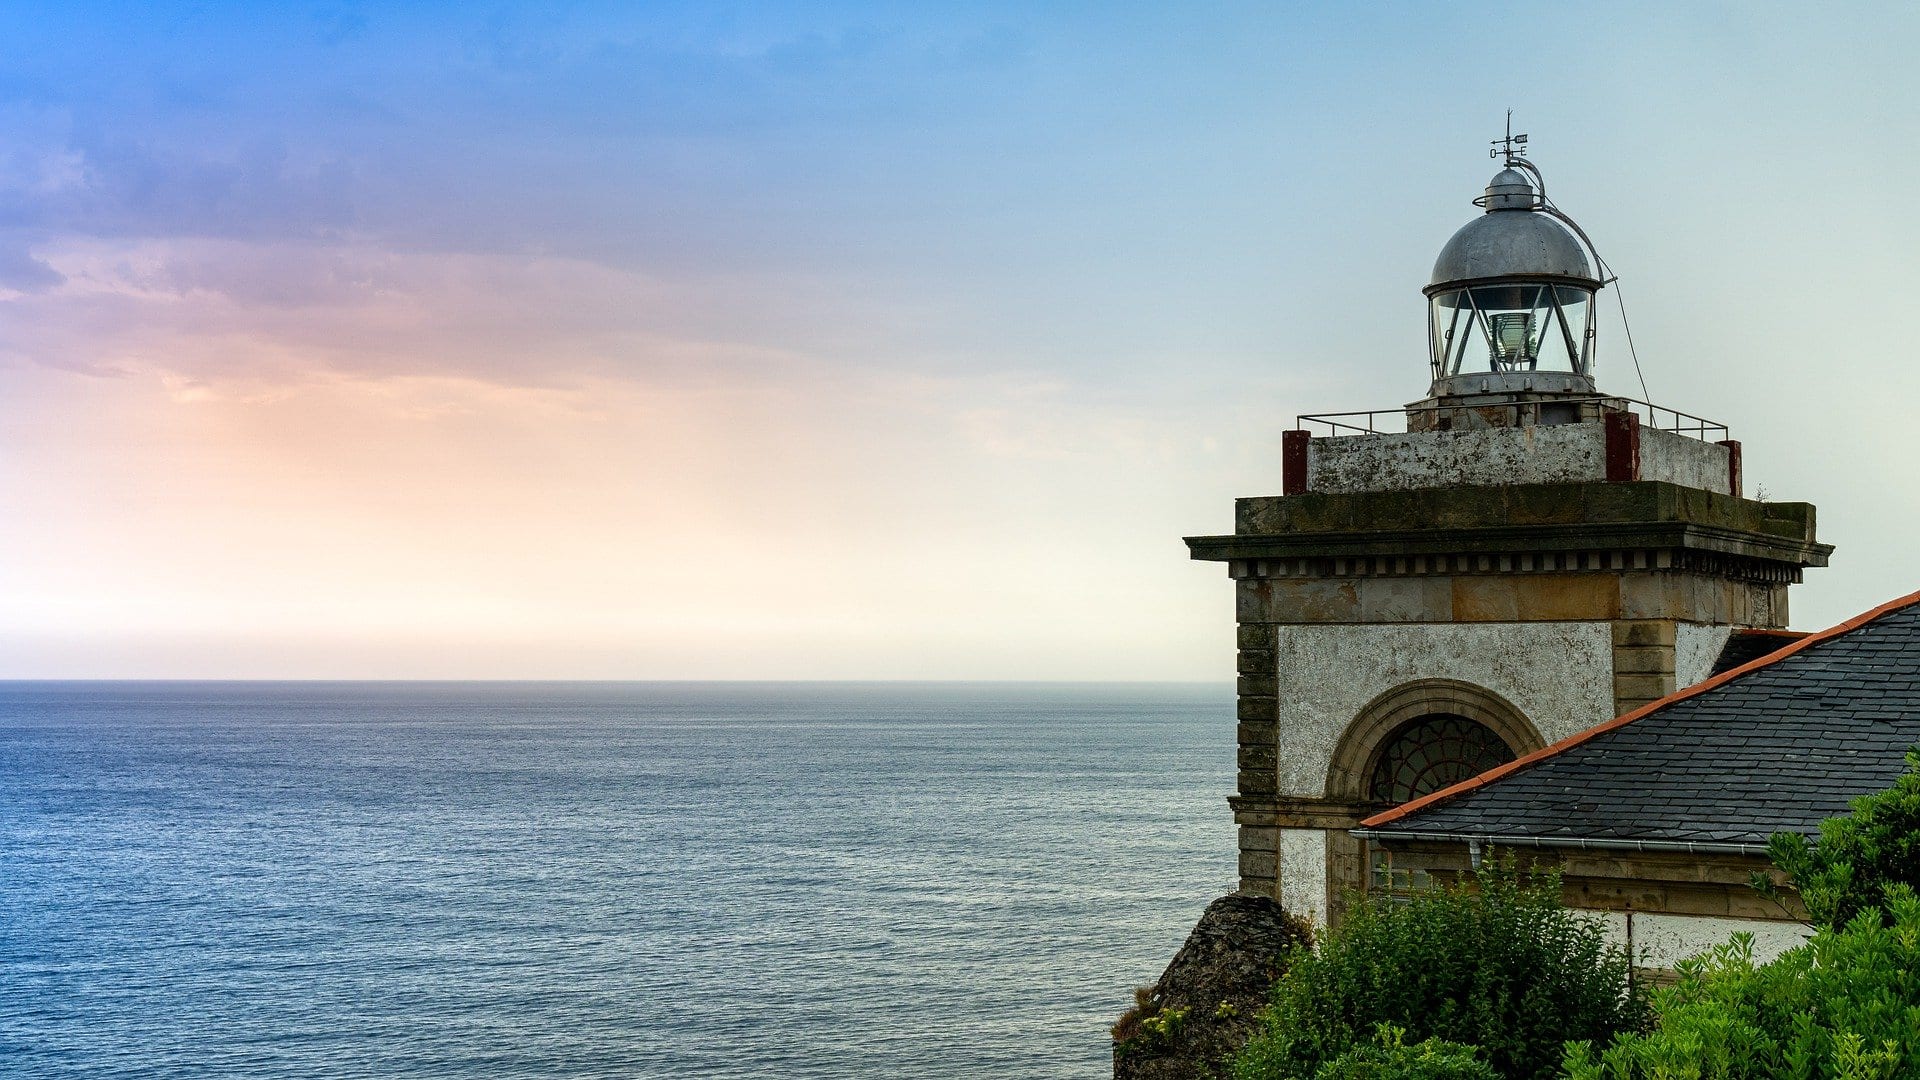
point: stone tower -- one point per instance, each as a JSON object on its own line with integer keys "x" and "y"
{"x": 1512, "y": 559}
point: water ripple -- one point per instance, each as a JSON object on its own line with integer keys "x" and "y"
{"x": 596, "y": 880}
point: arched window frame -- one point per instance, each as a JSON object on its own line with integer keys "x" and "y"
{"x": 1350, "y": 773}
{"x": 1430, "y": 752}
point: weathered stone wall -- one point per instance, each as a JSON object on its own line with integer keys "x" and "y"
{"x": 1561, "y": 453}
{"x": 1687, "y": 461}
{"x": 1566, "y": 603}
{"x": 1484, "y": 520}
{"x": 1519, "y": 589}
{"x": 1696, "y": 647}
{"x": 1434, "y": 459}
{"x": 1303, "y": 872}
{"x": 1558, "y": 674}
{"x": 1665, "y": 905}
{"x": 1308, "y": 670}
{"x": 1661, "y": 941}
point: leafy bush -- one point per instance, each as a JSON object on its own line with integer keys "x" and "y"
{"x": 1502, "y": 966}
{"x": 1844, "y": 1006}
{"x": 1858, "y": 855}
{"x": 1390, "y": 1058}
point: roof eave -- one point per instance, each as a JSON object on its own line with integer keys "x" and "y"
{"x": 1577, "y": 843}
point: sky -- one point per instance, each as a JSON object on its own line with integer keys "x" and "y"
{"x": 811, "y": 340}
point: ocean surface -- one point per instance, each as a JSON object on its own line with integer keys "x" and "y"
{"x": 326, "y": 880}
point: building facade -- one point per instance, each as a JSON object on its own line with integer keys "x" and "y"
{"x": 1659, "y": 819}
{"x": 1514, "y": 559}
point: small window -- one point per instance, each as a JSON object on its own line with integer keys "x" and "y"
{"x": 1396, "y": 882}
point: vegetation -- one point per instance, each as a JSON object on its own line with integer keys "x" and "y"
{"x": 1390, "y": 1058}
{"x": 1132, "y": 1032}
{"x": 1149, "y": 1024}
{"x": 1492, "y": 978}
{"x": 1845, "y": 1006}
{"x": 1499, "y": 965}
{"x": 1859, "y": 855}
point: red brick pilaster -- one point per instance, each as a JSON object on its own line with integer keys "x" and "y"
{"x": 1293, "y": 462}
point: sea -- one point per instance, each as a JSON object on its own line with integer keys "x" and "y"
{"x": 498, "y": 879}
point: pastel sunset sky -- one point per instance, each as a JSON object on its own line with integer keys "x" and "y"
{"x": 856, "y": 340}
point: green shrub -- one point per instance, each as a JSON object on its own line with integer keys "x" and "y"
{"x": 1858, "y": 855}
{"x": 1844, "y": 1006}
{"x": 1390, "y": 1058}
{"x": 1502, "y": 966}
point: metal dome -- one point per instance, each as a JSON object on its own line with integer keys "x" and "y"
{"x": 1512, "y": 243}
{"x": 1510, "y": 308}
{"x": 1510, "y": 189}
{"x": 1514, "y": 238}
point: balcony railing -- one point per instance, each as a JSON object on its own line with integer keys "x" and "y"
{"x": 1654, "y": 416}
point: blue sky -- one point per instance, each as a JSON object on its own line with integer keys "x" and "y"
{"x": 852, "y": 340}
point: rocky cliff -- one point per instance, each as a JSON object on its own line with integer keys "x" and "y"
{"x": 1188, "y": 1024}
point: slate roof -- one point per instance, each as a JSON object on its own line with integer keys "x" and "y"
{"x": 1746, "y": 646}
{"x": 1777, "y": 744}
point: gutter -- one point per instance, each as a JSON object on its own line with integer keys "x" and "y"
{"x": 1474, "y": 842}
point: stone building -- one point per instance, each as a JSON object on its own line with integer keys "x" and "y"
{"x": 1659, "y": 819}
{"x": 1512, "y": 560}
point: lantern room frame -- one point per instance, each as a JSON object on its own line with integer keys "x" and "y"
{"x": 1473, "y": 304}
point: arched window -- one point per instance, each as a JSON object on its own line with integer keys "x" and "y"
{"x": 1431, "y": 752}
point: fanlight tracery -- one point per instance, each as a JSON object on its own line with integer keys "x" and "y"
{"x": 1432, "y": 752}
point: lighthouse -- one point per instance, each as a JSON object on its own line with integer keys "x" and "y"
{"x": 1512, "y": 558}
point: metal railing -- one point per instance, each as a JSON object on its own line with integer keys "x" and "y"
{"x": 1659, "y": 417}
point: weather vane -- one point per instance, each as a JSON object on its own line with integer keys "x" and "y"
{"x": 1513, "y": 147}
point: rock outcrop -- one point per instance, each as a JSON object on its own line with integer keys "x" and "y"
{"x": 1188, "y": 1024}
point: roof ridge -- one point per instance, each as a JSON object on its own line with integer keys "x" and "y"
{"x": 1571, "y": 741}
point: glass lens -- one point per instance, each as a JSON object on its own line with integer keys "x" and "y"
{"x": 1510, "y": 327}
{"x": 1576, "y": 308}
{"x": 1452, "y": 319}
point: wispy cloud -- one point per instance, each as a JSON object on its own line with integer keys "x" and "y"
{"x": 842, "y": 339}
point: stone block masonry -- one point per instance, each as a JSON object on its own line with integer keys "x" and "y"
{"x": 1498, "y": 456}
{"x": 1549, "y": 607}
